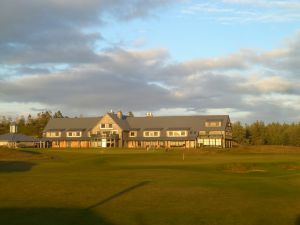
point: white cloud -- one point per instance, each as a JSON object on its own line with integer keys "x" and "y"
{"x": 246, "y": 11}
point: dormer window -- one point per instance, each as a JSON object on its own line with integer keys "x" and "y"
{"x": 53, "y": 134}
{"x": 151, "y": 133}
{"x": 213, "y": 123}
{"x": 74, "y": 134}
{"x": 132, "y": 134}
{"x": 177, "y": 133}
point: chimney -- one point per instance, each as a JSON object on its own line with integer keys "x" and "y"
{"x": 120, "y": 115}
{"x": 13, "y": 128}
{"x": 149, "y": 114}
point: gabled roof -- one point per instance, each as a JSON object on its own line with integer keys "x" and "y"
{"x": 123, "y": 124}
{"x": 72, "y": 124}
{"x": 17, "y": 137}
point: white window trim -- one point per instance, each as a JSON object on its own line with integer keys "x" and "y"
{"x": 151, "y": 133}
{"x": 53, "y": 134}
{"x": 208, "y": 123}
{"x": 135, "y": 133}
{"x": 170, "y": 133}
{"x": 74, "y": 134}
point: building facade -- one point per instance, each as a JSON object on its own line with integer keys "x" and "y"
{"x": 115, "y": 130}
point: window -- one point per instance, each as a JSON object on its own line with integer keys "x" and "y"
{"x": 74, "y": 134}
{"x": 151, "y": 133}
{"x": 218, "y": 142}
{"x": 177, "y": 133}
{"x": 53, "y": 134}
{"x": 213, "y": 123}
{"x": 106, "y": 126}
{"x": 206, "y": 141}
{"x": 132, "y": 134}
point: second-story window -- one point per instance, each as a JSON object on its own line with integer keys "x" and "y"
{"x": 213, "y": 123}
{"x": 132, "y": 134}
{"x": 177, "y": 133}
{"x": 74, "y": 134}
{"x": 53, "y": 134}
{"x": 151, "y": 133}
{"x": 106, "y": 126}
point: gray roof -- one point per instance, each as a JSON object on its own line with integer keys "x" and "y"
{"x": 17, "y": 138}
{"x": 74, "y": 124}
{"x": 192, "y": 124}
{"x": 177, "y": 122}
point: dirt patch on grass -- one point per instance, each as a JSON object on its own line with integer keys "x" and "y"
{"x": 242, "y": 168}
{"x": 291, "y": 167}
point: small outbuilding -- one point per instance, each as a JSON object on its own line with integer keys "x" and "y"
{"x": 15, "y": 140}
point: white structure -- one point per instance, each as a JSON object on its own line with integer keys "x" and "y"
{"x": 13, "y": 129}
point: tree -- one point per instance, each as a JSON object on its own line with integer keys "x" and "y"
{"x": 58, "y": 114}
{"x": 239, "y": 133}
{"x": 257, "y": 133}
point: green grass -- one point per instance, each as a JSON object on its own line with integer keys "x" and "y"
{"x": 246, "y": 186}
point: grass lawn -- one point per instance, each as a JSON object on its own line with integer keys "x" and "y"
{"x": 245, "y": 186}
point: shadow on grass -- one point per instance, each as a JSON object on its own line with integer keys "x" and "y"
{"x": 30, "y": 152}
{"x": 118, "y": 194}
{"x": 50, "y": 216}
{"x": 297, "y": 221}
{"x": 15, "y": 166}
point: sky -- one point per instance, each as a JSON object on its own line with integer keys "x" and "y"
{"x": 169, "y": 57}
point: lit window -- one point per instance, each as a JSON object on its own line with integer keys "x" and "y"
{"x": 74, "y": 134}
{"x": 151, "y": 134}
{"x": 179, "y": 133}
{"x": 53, "y": 134}
{"x": 213, "y": 123}
{"x": 206, "y": 141}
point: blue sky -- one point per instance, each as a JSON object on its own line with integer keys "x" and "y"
{"x": 236, "y": 57}
{"x": 191, "y": 29}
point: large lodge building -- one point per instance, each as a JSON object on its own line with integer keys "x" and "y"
{"x": 115, "y": 130}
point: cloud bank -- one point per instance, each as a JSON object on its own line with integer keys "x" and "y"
{"x": 53, "y": 63}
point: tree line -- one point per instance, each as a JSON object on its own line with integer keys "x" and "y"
{"x": 32, "y": 125}
{"x": 259, "y": 133}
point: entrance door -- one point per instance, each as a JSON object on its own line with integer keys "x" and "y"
{"x": 104, "y": 143}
